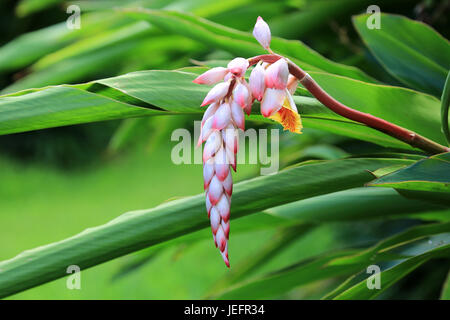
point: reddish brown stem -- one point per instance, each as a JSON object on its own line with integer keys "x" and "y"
{"x": 379, "y": 124}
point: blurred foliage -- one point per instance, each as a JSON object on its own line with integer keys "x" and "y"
{"x": 312, "y": 240}
{"x": 49, "y": 53}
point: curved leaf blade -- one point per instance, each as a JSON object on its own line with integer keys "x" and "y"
{"x": 430, "y": 174}
{"x": 160, "y": 92}
{"x": 139, "y": 229}
{"x": 241, "y": 43}
{"x": 59, "y": 106}
{"x": 445, "y": 294}
{"x": 352, "y": 205}
{"x": 404, "y": 107}
{"x": 445, "y": 105}
{"x": 389, "y": 277}
{"x": 325, "y": 266}
{"x": 411, "y": 51}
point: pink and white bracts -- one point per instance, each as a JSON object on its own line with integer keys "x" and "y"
{"x": 273, "y": 86}
{"x": 225, "y": 115}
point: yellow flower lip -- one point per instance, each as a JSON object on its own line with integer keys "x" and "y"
{"x": 288, "y": 116}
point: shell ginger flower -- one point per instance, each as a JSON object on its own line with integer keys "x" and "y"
{"x": 228, "y": 99}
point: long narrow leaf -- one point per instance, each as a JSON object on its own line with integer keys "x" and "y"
{"x": 411, "y": 51}
{"x": 166, "y": 92}
{"x": 139, "y": 229}
{"x": 445, "y": 105}
{"x": 392, "y": 275}
{"x": 324, "y": 267}
{"x": 241, "y": 43}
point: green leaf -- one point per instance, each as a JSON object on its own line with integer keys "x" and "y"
{"x": 108, "y": 43}
{"x": 445, "y": 294}
{"x": 411, "y": 51}
{"x": 420, "y": 232}
{"x": 241, "y": 43}
{"x": 392, "y": 275}
{"x": 384, "y": 171}
{"x": 282, "y": 281}
{"x": 245, "y": 224}
{"x": 29, "y": 47}
{"x": 101, "y": 54}
{"x": 59, "y": 106}
{"x": 88, "y": 45}
{"x": 137, "y": 262}
{"x": 409, "y": 109}
{"x": 355, "y": 204}
{"x": 27, "y": 7}
{"x": 161, "y": 92}
{"x": 297, "y": 153}
{"x": 73, "y": 69}
{"x": 105, "y": 5}
{"x": 64, "y": 105}
{"x": 443, "y": 215}
{"x": 445, "y": 105}
{"x": 314, "y": 15}
{"x": 270, "y": 249}
{"x": 416, "y": 247}
{"x": 136, "y": 230}
{"x": 127, "y": 132}
{"x": 430, "y": 174}
{"x": 330, "y": 265}
{"x": 348, "y": 283}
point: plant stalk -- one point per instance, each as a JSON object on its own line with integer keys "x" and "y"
{"x": 395, "y": 131}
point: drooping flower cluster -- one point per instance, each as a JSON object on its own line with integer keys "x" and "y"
{"x": 273, "y": 86}
{"x": 224, "y": 116}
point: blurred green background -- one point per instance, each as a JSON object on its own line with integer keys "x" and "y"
{"x": 58, "y": 182}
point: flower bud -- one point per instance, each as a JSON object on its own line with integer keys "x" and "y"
{"x": 261, "y": 32}
{"x": 208, "y": 173}
{"x": 277, "y": 74}
{"x": 208, "y": 204}
{"x": 223, "y": 207}
{"x": 257, "y": 82}
{"x": 222, "y": 117}
{"x": 272, "y": 101}
{"x": 228, "y": 184}
{"x": 230, "y": 139}
{"x": 221, "y": 165}
{"x": 212, "y": 144}
{"x": 206, "y": 129}
{"x": 216, "y": 93}
{"x": 248, "y": 109}
{"x": 228, "y": 76}
{"x": 211, "y": 76}
{"x": 226, "y": 230}
{"x": 238, "y": 66}
{"x": 209, "y": 112}
{"x": 240, "y": 94}
{"x": 221, "y": 239}
{"x": 214, "y": 219}
{"x": 215, "y": 190}
{"x": 231, "y": 156}
{"x": 237, "y": 114}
